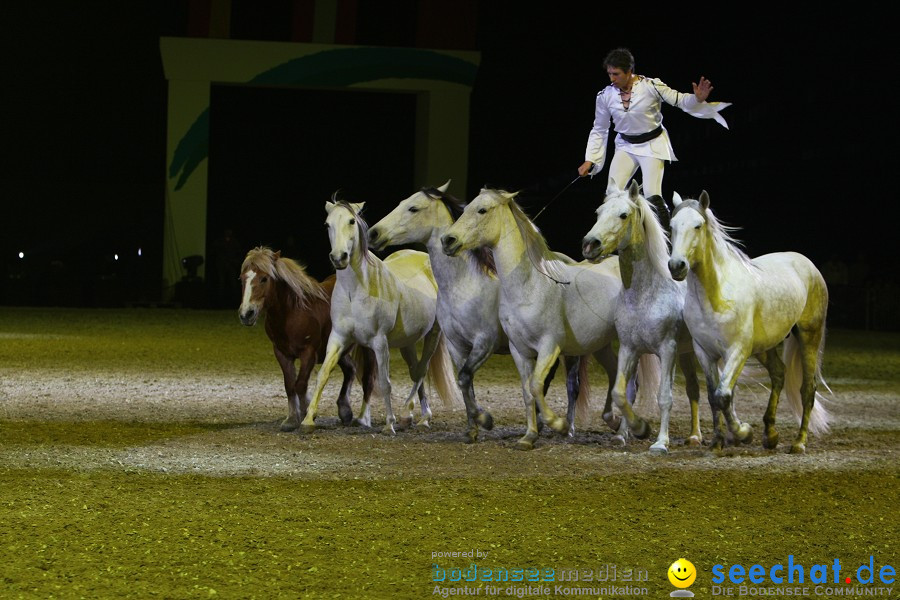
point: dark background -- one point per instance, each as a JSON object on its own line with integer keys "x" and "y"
{"x": 803, "y": 167}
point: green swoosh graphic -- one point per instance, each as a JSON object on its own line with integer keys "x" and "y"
{"x": 335, "y": 68}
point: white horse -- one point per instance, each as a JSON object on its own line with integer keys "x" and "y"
{"x": 382, "y": 305}
{"x": 737, "y": 308}
{"x": 548, "y": 307}
{"x": 649, "y": 313}
{"x": 468, "y": 298}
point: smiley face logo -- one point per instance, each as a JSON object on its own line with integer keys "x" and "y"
{"x": 682, "y": 573}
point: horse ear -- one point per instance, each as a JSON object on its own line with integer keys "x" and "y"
{"x": 611, "y": 186}
{"x": 676, "y": 199}
{"x": 633, "y": 190}
{"x": 358, "y": 207}
{"x": 704, "y": 200}
{"x": 277, "y": 254}
{"x": 507, "y": 196}
{"x": 329, "y": 206}
{"x": 444, "y": 187}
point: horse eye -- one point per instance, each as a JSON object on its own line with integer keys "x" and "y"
{"x": 413, "y": 209}
{"x": 353, "y": 221}
{"x": 264, "y": 279}
{"x": 696, "y": 227}
{"x": 623, "y": 216}
{"x": 482, "y": 211}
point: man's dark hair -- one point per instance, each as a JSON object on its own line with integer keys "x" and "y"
{"x": 620, "y": 58}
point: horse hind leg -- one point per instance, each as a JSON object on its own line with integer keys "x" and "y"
{"x": 365, "y": 358}
{"x": 688, "y": 367}
{"x": 809, "y": 343}
{"x": 771, "y": 360}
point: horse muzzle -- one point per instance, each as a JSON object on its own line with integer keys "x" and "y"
{"x": 248, "y": 317}
{"x": 678, "y": 268}
{"x": 591, "y": 247}
{"x": 339, "y": 261}
{"x": 376, "y": 240}
{"x": 450, "y": 244}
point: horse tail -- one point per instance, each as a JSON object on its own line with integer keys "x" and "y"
{"x": 442, "y": 377}
{"x": 819, "y": 417}
{"x": 648, "y": 374}
{"x": 583, "y": 400}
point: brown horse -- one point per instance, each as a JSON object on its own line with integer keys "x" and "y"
{"x": 298, "y": 322}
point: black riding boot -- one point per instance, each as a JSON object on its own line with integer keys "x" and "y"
{"x": 662, "y": 211}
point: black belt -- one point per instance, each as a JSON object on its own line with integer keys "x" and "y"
{"x": 642, "y": 137}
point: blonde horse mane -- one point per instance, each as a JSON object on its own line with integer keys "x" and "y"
{"x": 291, "y": 272}
{"x": 721, "y": 234}
{"x": 545, "y": 261}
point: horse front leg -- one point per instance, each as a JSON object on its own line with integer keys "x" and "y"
{"x": 692, "y": 389}
{"x": 620, "y": 372}
{"x": 336, "y": 348}
{"x": 296, "y": 412}
{"x": 734, "y": 364}
{"x": 545, "y": 363}
{"x": 348, "y": 368}
{"x": 667, "y": 378}
{"x": 383, "y": 381}
{"x": 525, "y": 367}
{"x": 481, "y": 350}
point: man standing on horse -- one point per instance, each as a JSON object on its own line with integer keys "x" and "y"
{"x": 633, "y": 103}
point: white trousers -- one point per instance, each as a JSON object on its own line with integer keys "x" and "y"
{"x": 625, "y": 165}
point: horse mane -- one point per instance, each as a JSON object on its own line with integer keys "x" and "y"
{"x": 482, "y": 258}
{"x": 545, "y": 261}
{"x": 361, "y": 226}
{"x": 291, "y": 272}
{"x": 656, "y": 238}
{"x": 721, "y": 233}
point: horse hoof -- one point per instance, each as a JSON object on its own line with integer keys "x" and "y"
{"x": 472, "y": 436}
{"x": 423, "y": 426}
{"x": 486, "y": 420}
{"x": 405, "y": 423}
{"x": 525, "y": 444}
{"x": 360, "y": 423}
{"x": 346, "y": 417}
{"x": 289, "y": 424}
{"x": 718, "y": 443}
{"x": 613, "y": 422}
{"x": 745, "y": 433}
{"x": 307, "y": 428}
{"x": 798, "y": 448}
{"x": 559, "y": 425}
{"x": 659, "y": 448}
{"x": 695, "y": 441}
{"x": 641, "y": 429}
{"x": 388, "y": 430}
{"x": 618, "y": 440}
{"x": 770, "y": 442}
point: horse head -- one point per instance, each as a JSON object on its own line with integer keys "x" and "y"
{"x": 690, "y": 233}
{"x": 621, "y": 212}
{"x": 480, "y": 223}
{"x": 346, "y": 231}
{"x": 413, "y": 220}
{"x": 257, "y": 274}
